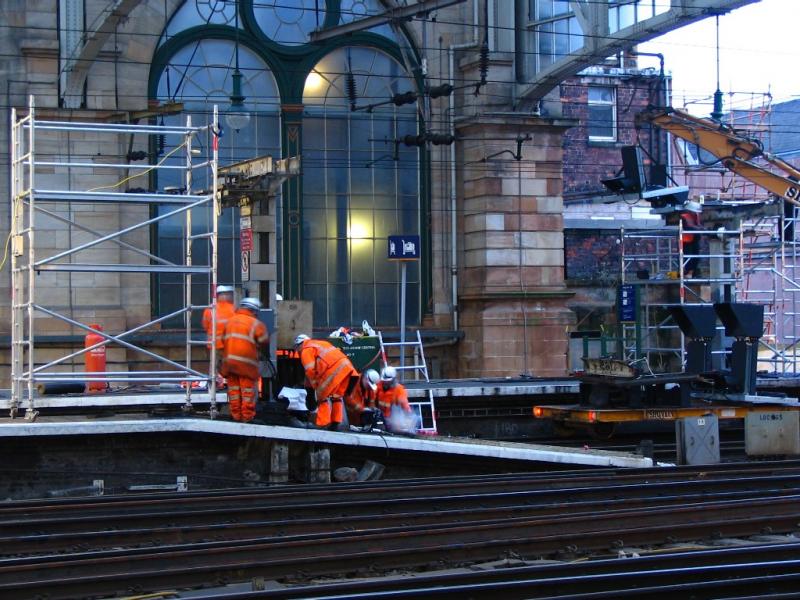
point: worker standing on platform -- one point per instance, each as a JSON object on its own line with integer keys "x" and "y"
{"x": 392, "y": 393}
{"x": 363, "y": 398}
{"x": 332, "y": 376}
{"x": 244, "y": 335}
{"x": 690, "y": 217}
{"x": 225, "y": 310}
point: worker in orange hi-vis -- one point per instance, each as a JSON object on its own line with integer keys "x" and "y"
{"x": 332, "y": 376}
{"x": 244, "y": 334}
{"x": 225, "y": 310}
{"x": 363, "y": 397}
{"x": 391, "y": 393}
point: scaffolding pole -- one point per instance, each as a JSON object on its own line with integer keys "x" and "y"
{"x": 29, "y": 261}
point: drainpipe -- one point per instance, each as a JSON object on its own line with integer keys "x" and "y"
{"x": 451, "y": 51}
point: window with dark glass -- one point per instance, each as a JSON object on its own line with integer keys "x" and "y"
{"x": 602, "y": 115}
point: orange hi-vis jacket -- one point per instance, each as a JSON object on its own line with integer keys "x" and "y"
{"x": 394, "y": 395}
{"x": 225, "y": 310}
{"x": 243, "y": 335}
{"x": 360, "y": 398}
{"x": 690, "y": 221}
{"x": 327, "y": 368}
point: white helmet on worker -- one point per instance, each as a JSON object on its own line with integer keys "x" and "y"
{"x": 224, "y": 289}
{"x": 302, "y": 337}
{"x": 253, "y": 304}
{"x": 693, "y": 206}
{"x": 371, "y": 379}
{"x": 388, "y": 374}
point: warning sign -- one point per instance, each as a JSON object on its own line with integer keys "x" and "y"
{"x": 246, "y": 240}
{"x": 245, "y": 265}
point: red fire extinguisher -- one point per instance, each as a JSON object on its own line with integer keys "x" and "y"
{"x": 95, "y": 359}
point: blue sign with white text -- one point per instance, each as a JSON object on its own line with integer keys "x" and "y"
{"x": 403, "y": 247}
{"x": 626, "y": 303}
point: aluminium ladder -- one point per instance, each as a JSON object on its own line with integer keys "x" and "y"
{"x": 424, "y": 408}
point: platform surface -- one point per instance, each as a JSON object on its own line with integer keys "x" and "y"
{"x": 68, "y": 426}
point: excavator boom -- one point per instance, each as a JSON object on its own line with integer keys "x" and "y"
{"x": 734, "y": 151}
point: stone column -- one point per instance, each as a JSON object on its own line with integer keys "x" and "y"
{"x": 512, "y": 293}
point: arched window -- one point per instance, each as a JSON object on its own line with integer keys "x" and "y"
{"x": 359, "y": 187}
{"x": 199, "y": 76}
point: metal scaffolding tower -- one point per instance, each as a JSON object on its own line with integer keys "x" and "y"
{"x": 655, "y": 262}
{"x": 757, "y": 263}
{"x": 30, "y": 264}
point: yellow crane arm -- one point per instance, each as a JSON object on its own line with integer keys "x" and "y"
{"x": 733, "y": 150}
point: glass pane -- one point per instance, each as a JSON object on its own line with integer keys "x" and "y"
{"x": 361, "y": 179}
{"x": 356, "y": 9}
{"x": 561, "y": 7}
{"x": 289, "y": 23}
{"x": 644, "y": 9}
{"x": 545, "y": 9}
{"x": 314, "y": 223}
{"x": 561, "y": 38}
{"x": 363, "y": 304}
{"x": 362, "y": 262}
{"x": 338, "y": 260}
{"x": 199, "y": 76}
{"x": 601, "y": 122}
{"x": 601, "y": 94}
{"x": 339, "y": 301}
{"x": 575, "y": 35}
{"x": 626, "y": 16}
{"x": 314, "y": 263}
{"x": 318, "y": 295}
{"x": 387, "y": 303}
{"x": 197, "y": 13}
{"x": 546, "y": 45}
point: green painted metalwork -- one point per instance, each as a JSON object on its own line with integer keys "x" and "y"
{"x": 290, "y": 65}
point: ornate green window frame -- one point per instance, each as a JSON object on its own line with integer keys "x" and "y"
{"x": 290, "y": 64}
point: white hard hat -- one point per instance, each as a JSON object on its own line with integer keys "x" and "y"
{"x": 388, "y": 374}
{"x": 302, "y": 337}
{"x": 372, "y": 378}
{"x": 253, "y": 304}
{"x": 693, "y": 206}
{"x": 224, "y": 289}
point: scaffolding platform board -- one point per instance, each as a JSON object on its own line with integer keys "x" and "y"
{"x": 80, "y": 426}
{"x": 588, "y": 415}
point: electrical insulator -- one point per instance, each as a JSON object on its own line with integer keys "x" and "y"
{"x": 440, "y": 90}
{"x": 414, "y": 140}
{"x": 404, "y": 98}
{"x": 441, "y": 139}
{"x": 350, "y": 83}
{"x": 483, "y": 62}
{"x": 136, "y": 155}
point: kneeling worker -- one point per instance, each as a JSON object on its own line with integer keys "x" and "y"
{"x": 244, "y": 334}
{"x": 363, "y": 397}
{"x": 330, "y": 373}
{"x": 391, "y": 393}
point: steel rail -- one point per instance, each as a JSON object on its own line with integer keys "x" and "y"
{"x": 401, "y": 585}
{"x": 329, "y": 503}
{"x": 110, "y": 571}
{"x": 390, "y": 488}
{"x": 217, "y": 525}
{"x": 432, "y": 489}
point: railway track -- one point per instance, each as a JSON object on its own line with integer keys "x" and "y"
{"x": 758, "y": 571}
{"x": 102, "y": 546}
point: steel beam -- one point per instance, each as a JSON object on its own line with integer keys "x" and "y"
{"x": 600, "y": 44}
{"x": 399, "y": 13}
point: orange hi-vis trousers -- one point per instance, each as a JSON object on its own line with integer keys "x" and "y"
{"x": 241, "y": 398}
{"x": 331, "y": 410}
